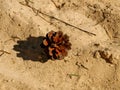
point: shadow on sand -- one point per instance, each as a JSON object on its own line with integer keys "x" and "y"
{"x": 30, "y": 49}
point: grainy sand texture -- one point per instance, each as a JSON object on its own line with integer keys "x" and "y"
{"x": 93, "y": 63}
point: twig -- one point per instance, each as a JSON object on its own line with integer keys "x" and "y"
{"x": 27, "y": 2}
{"x": 38, "y": 11}
{"x": 75, "y": 75}
{"x": 67, "y": 23}
{"x": 43, "y": 18}
{"x": 55, "y": 4}
{"x": 3, "y": 52}
{"x": 81, "y": 65}
{"x": 15, "y": 37}
{"x": 84, "y": 67}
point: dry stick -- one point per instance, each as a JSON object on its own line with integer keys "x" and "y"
{"x": 67, "y": 23}
{"x": 55, "y": 4}
{"x": 81, "y": 65}
{"x": 38, "y": 11}
{"x": 71, "y": 75}
{"x": 15, "y": 37}
{"x": 42, "y": 18}
{"x": 84, "y": 66}
{"x": 4, "y": 52}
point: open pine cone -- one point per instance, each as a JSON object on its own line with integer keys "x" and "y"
{"x": 57, "y": 44}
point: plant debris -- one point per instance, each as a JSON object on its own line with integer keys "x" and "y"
{"x": 3, "y": 52}
{"x": 56, "y": 44}
{"x": 37, "y": 12}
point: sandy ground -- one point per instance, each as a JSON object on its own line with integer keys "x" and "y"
{"x": 93, "y": 63}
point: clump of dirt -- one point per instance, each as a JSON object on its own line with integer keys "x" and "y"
{"x": 107, "y": 55}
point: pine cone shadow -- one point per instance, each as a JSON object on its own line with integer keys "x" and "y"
{"x": 30, "y": 49}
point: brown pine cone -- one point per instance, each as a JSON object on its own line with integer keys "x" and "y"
{"x": 57, "y": 44}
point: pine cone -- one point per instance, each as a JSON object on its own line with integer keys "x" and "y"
{"x": 57, "y": 44}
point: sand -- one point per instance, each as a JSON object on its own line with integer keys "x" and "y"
{"x": 93, "y": 26}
